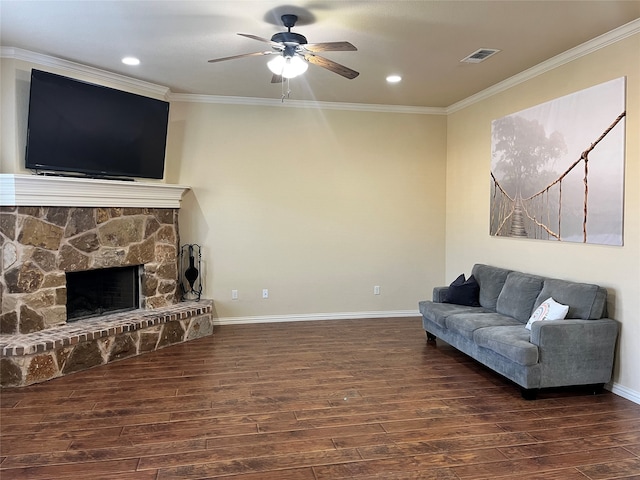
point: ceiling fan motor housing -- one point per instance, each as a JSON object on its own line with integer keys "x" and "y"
{"x": 289, "y": 20}
{"x": 289, "y": 37}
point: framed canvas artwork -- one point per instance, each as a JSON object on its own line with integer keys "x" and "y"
{"x": 557, "y": 169}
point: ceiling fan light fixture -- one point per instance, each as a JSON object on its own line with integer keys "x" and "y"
{"x": 288, "y": 67}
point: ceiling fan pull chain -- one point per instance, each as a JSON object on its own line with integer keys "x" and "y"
{"x": 282, "y": 95}
{"x": 285, "y": 95}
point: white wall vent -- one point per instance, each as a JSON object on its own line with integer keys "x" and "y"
{"x": 480, "y": 55}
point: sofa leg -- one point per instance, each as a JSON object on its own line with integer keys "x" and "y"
{"x": 529, "y": 393}
{"x": 597, "y": 388}
{"x": 430, "y": 337}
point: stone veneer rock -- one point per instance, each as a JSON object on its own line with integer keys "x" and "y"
{"x": 40, "y": 244}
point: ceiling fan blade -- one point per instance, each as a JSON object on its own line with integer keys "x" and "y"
{"x": 260, "y": 39}
{"x": 331, "y": 66}
{"x": 233, "y": 57}
{"x": 330, "y": 47}
{"x": 277, "y": 78}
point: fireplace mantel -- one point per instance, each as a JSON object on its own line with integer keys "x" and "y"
{"x": 52, "y": 191}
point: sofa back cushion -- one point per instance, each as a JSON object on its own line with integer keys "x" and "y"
{"x": 518, "y": 295}
{"x": 586, "y": 301}
{"x": 491, "y": 280}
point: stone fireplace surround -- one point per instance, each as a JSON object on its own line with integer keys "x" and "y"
{"x": 53, "y": 225}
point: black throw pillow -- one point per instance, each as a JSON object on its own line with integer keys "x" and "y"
{"x": 463, "y": 292}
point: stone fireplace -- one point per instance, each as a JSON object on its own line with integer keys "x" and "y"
{"x": 41, "y": 244}
{"x": 54, "y": 226}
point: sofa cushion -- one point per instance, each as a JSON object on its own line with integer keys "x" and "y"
{"x": 586, "y": 301}
{"x": 510, "y": 342}
{"x": 466, "y": 323}
{"x": 518, "y": 295}
{"x": 463, "y": 292}
{"x": 491, "y": 279}
{"x": 438, "y": 312}
{"x": 548, "y": 310}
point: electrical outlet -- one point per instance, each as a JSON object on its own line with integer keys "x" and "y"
{"x": 265, "y": 293}
{"x": 234, "y": 294}
{"x": 376, "y": 290}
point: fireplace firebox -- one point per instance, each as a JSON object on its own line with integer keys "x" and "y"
{"x": 92, "y": 293}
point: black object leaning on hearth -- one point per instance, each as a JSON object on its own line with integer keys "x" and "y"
{"x": 191, "y": 271}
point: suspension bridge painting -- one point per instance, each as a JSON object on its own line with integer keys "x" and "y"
{"x": 557, "y": 169}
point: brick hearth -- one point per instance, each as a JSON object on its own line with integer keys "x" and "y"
{"x": 51, "y": 353}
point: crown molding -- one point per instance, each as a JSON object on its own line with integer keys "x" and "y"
{"x": 273, "y": 102}
{"x": 77, "y": 68}
{"x": 165, "y": 92}
{"x": 609, "y": 38}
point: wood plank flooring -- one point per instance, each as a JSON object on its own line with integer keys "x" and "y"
{"x": 327, "y": 400}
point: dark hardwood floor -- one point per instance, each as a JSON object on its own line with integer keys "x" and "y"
{"x": 365, "y": 399}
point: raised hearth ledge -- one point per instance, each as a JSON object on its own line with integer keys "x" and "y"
{"x": 97, "y": 327}
{"x": 40, "y": 356}
{"x": 52, "y": 191}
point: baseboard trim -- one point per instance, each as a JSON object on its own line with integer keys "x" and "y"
{"x": 624, "y": 392}
{"x": 315, "y": 316}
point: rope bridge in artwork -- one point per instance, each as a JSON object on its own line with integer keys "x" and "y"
{"x": 532, "y": 216}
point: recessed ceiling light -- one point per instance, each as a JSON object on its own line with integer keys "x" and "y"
{"x": 130, "y": 61}
{"x": 394, "y": 78}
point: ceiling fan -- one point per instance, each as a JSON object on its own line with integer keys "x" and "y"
{"x": 293, "y": 53}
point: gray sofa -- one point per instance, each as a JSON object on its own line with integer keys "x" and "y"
{"x": 578, "y": 350}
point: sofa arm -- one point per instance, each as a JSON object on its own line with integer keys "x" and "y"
{"x": 439, "y": 294}
{"x": 575, "y": 352}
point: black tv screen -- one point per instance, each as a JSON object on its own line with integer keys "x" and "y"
{"x": 79, "y": 127}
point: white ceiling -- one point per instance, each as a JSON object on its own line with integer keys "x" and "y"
{"x": 423, "y": 41}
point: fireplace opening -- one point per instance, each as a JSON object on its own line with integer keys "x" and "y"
{"x": 93, "y": 293}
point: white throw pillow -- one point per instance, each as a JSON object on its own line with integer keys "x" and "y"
{"x": 548, "y": 310}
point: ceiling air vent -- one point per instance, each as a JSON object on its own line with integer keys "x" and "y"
{"x": 480, "y": 55}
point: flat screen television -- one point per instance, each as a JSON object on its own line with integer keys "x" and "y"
{"x": 75, "y": 127}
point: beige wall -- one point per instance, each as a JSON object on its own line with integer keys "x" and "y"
{"x": 13, "y": 117}
{"x": 468, "y": 184}
{"x": 318, "y": 206}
